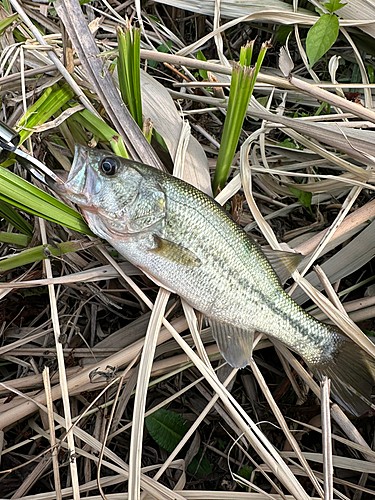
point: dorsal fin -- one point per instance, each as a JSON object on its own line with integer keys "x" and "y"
{"x": 283, "y": 263}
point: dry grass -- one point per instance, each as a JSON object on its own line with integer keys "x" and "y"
{"x": 72, "y": 359}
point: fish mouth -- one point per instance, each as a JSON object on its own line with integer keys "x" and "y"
{"x": 81, "y": 182}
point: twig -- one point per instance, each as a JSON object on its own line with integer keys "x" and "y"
{"x": 135, "y": 452}
{"x": 280, "y": 418}
{"x": 326, "y": 439}
{"x": 55, "y": 460}
{"x": 62, "y": 372}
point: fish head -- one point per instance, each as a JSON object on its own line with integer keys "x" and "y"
{"x": 116, "y": 197}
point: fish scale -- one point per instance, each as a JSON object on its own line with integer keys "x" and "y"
{"x": 264, "y": 307}
{"x": 187, "y": 243}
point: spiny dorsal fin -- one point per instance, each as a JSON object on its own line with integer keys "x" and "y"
{"x": 235, "y": 344}
{"x": 283, "y": 263}
{"x": 175, "y": 252}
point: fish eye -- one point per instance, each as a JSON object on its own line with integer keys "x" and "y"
{"x": 109, "y": 166}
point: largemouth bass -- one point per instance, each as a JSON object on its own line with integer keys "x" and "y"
{"x": 185, "y": 241}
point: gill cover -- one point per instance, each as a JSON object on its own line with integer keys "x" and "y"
{"x": 122, "y": 200}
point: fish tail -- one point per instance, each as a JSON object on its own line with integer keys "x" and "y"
{"x": 352, "y": 374}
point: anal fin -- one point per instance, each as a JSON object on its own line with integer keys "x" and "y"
{"x": 235, "y": 344}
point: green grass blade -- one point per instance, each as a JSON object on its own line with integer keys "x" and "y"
{"x": 241, "y": 89}
{"x": 7, "y": 22}
{"x": 103, "y": 131}
{"x": 22, "y": 194}
{"x": 128, "y": 67}
{"x": 239, "y": 99}
{"x": 246, "y": 53}
{"x": 14, "y": 218}
{"x": 41, "y": 252}
{"x": 51, "y": 101}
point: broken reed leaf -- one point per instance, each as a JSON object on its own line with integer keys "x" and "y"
{"x": 52, "y": 99}
{"x": 262, "y": 53}
{"x": 41, "y": 252}
{"x": 17, "y": 239}
{"x": 147, "y": 129}
{"x": 321, "y": 37}
{"x": 128, "y": 67}
{"x": 17, "y": 192}
{"x": 102, "y": 131}
{"x": 246, "y": 53}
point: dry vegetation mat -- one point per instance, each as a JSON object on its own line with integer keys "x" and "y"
{"x": 111, "y": 386}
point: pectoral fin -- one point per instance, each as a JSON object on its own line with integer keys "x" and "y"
{"x": 175, "y": 253}
{"x": 235, "y": 344}
{"x": 283, "y": 263}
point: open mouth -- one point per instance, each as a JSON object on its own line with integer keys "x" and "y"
{"x": 73, "y": 182}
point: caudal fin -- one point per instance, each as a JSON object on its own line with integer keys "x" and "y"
{"x": 352, "y": 374}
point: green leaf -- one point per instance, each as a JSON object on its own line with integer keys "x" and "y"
{"x": 304, "y": 197}
{"x": 41, "y": 252}
{"x": 165, "y": 47}
{"x": 166, "y": 428}
{"x": 245, "y": 472}
{"x": 282, "y": 33}
{"x": 287, "y": 143}
{"x": 221, "y": 444}
{"x": 7, "y": 22}
{"x": 128, "y": 65}
{"x": 202, "y": 72}
{"x": 370, "y": 73}
{"x": 263, "y": 100}
{"x": 104, "y": 132}
{"x": 52, "y": 99}
{"x": 20, "y": 240}
{"x": 334, "y": 5}
{"x": 198, "y": 467}
{"x": 20, "y": 193}
{"x": 14, "y": 218}
{"x": 161, "y": 48}
{"x": 368, "y": 332}
{"x": 321, "y": 37}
